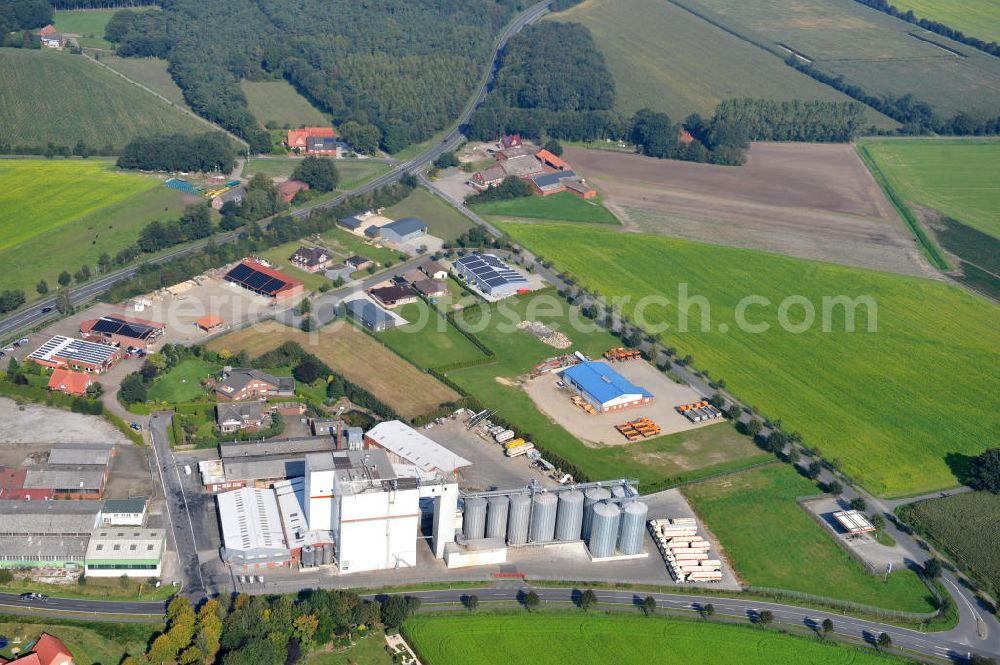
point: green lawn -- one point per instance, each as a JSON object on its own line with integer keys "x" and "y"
{"x": 89, "y": 24}
{"x": 279, "y": 256}
{"x": 958, "y": 178}
{"x": 182, "y": 383}
{"x": 56, "y": 215}
{"x": 367, "y": 650}
{"x": 517, "y": 638}
{"x": 349, "y": 244}
{"x": 656, "y": 463}
{"x": 562, "y": 206}
{"x": 353, "y": 172}
{"x": 967, "y": 527}
{"x": 90, "y": 645}
{"x": 976, "y": 18}
{"x": 93, "y": 104}
{"x": 888, "y": 404}
{"x": 428, "y": 340}
{"x": 665, "y": 58}
{"x": 442, "y": 220}
{"x": 278, "y": 104}
{"x": 772, "y": 542}
{"x": 96, "y": 587}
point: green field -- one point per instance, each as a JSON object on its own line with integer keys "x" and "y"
{"x": 958, "y": 178}
{"x": 879, "y": 402}
{"x": 667, "y": 59}
{"x": 868, "y": 48}
{"x": 278, "y": 104}
{"x": 93, "y": 644}
{"x": 773, "y": 543}
{"x": 367, "y": 650}
{"x": 976, "y": 18}
{"x": 150, "y": 72}
{"x": 562, "y": 206}
{"x": 596, "y": 639}
{"x": 428, "y": 340}
{"x": 182, "y": 383}
{"x": 89, "y": 24}
{"x": 966, "y": 527}
{"x": 353, "y": 173}
{"x": 57, "y": 214}
{"x": 442, "y": 220}
{"x": 656, "y": 462}
{"x": 93, "y": 104}
{"x": 346, "y": 243}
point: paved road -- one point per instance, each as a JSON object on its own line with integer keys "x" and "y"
{"x": 13, "y": 604}
{"x": 32, "y": 316}
{"x": 182, "y": 532}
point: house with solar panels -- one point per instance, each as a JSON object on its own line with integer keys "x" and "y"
{"x": 76, "y": 354}
{"x": 604, "y": 388}
{"x": 490, "y": 275}
{"x": 126, "y": 332}
{"x": 264, "y": 281}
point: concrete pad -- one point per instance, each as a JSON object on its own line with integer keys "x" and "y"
{"x": 593, "y": 429}
{"x": 862, "y": 546}
{"x": 20, "y": 424}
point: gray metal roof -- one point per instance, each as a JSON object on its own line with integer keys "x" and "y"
{"x": 261, "y": 468}
{"x": 368, "y": 312}
{"x": 126, "y": 506}
{"x": 231, "y": 451}
{"x": 81, "y": 453}
{"x": 21, "y": 518}
{"x": 65, "y": 476}
{"x": 406, "y": 226}
{"x": 44, "y": 548}
{"x": 550, "y": 179}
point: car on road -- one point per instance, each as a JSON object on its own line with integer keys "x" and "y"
{"x": 136, "y": 426}
{"x": 32, "y": 595}
{"x": 45, "y": 310}
{"x": 9, "y": 349}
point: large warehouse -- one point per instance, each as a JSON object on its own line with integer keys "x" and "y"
{"x": 264, "y": 281}
{"x": 125, "y": 552}
{"x": 76, "y": 354}
{"x": 122, "y": 331}
{"x": 604, "y": 388}
{"x": 488, "y": 273}
{"x": 45, "y": 534}
{"x": 408, "y": 446}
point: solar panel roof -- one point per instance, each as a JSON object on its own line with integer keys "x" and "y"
{"x": 114, "y": 326}
{"x": 69, "y": 348}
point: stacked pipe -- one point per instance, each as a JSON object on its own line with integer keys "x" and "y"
{"x": 685, "y": 552}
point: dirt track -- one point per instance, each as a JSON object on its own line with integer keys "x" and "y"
{"x": 814, "y": 201}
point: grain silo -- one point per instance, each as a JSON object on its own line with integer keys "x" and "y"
{"x": 633, "y": 527}
{"x": 517, "y": 519}
{"x": 590, "y": 497}
{"x": 496, "y": 517}
{"x": 474, "y": 518}
{"x": 604, "y": 530}
{"x": 543, "y": 517}
{"x": 569, "y": 519}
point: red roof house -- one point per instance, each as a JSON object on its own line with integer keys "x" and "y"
{"x": 70, "y": 382}
{"x": 48, "y": 650}
{"x": 299, "y": 138}
{"x": 290, "y": 188}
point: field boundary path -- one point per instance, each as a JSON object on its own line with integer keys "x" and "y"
{"x": 172, "y": 104}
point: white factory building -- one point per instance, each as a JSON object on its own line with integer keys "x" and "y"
{"x": 408, "y": 446}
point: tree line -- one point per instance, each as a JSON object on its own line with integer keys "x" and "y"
{"x": 934, "y": 26}
{"x": 18, "y": 15}
{"x": 395, "y": 72}
{"x": 210, "y": 151}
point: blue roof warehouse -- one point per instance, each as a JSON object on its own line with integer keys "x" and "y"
{"x": 604, "y": 388}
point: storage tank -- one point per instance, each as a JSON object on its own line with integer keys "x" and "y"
{"x": 604, "y": 530}
{"x": 590, "y": 497}
{"x": 543, "y": 517}
{"x": 327, "y": 554}
{"x": 474, "y": 519}
{"x": 308, "y": 557}
{"x": 633, "y": 527}
{"x": 569, "y": 519}
{"x": 618, "y": 491}
{"x": 496, "y": 517}
{"x": 517, "y": 519}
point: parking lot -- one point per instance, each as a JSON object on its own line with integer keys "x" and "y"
{"x": 556, "y": 403}
{"x": 490, "y": 467}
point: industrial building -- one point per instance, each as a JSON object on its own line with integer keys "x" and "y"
{"x": 490, "y": 275}
{"x": 128, "y": 552}
{"x": 853, "y": 522}
{"x": 607, "y": 516}
{"x": 46, "y": 534}
{"x": 72, "y": 471}
{"x": 76, "y": 354}
{"x": 251, "y": 528}
{"x": 408, "y": 446}
{"x": 127, "y": 332}
{"x": 604, "y": 388}
{"x": 264, "y": 281}
{"x": 124, "y": 512}
{"x": 369, "y": 314}
{"x": 403, "y": 230}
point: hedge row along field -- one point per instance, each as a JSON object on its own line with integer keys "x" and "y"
{"x": 976, "y": 18}
{"x": 893, "y": 406}
{"x": 596, "y": 639}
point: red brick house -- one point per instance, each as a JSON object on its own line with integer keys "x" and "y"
{"x": 290, "y": 188}
{"x": 299, "y": 138}
{"x": 70, "y": 382}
